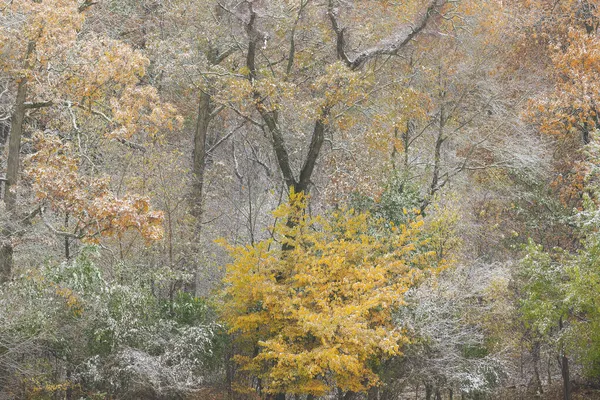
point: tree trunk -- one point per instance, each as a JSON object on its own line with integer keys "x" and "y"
{"x": 69, "y": 391}
{"x": 12, "y": 172}
{"x": 199, "y": 154}
{"x": 428, "y": 391}
{"x": 437, "y": 159}
{"x": 67, "y": 243}
{"x": 198, "y": 169}
{"x": 549, "y": 366}
{"x": 373, "y": 393}
{"x": 563, "y": 360}
{"x": 564, "y": 369}
{"x": 535, "y": 353}
{"x": 349, "y": 395}
{"x": 229, "y": 371}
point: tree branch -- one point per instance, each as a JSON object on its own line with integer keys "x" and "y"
{"x": 56, "y": 231}
{"x": 133, "y": 145}
{"x": 85, "y": 5}
{"x": 34, "y": 105}
{"x": 316, "y": 143}
{"x": 391, "y": 46}
{"x": 269, "y": 117}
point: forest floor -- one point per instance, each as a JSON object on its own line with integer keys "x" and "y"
{"x": 553, "y": 393}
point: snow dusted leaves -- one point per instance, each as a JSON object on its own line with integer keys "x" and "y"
{"x": 140, "y": 111}
{"x": 58, "y": 182}
{"x": 573, "y": 103}
{"x": 50, "y": 25}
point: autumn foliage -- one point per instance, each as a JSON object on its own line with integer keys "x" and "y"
{"x": 97, "y": 211}
{"x": 406, "y": 191}
{"x": 317, "y": 313}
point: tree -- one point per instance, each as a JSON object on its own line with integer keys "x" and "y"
{"x": 25, "y": 34}
{"x": 566, "y": 48}
{"x": 54, "y": 173}
{"x": 78, "y": 87}
{"x": 301, "y": 74}
{"x": 543, "y": 306}
{"x": 313, "y": 317}
{"x": 70, "y": 332}
{"x": 449, "y": 351}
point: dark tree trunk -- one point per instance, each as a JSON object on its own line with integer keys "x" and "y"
{"x": 549, "y": 370}
{"x": 199, "y": 162}
{"x": 428, "y": 391}
{"x": 198, "y": 169}
{"x": 564, "y": 369}
{"x": 563, "y": 360}
{"x": 12, "y": 172}
{"x": 69, "y": 392}
{"x": 6, "y": 258}
{"x": 373, "y": 393}
{"x": 229, "y": 371}
{"x": 535, "y": 353}
{"x": 437, "y": 159}
{"x": 349, "y": 396}
{"x": 67, "y": 242}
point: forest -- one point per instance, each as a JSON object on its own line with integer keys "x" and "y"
{"x": 299, "y": 199}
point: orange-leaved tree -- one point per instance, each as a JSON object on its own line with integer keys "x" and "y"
{"x": 54, "y": 173}
{"x": 568, "y": 110}
{"x": 313, "y": 314}
{"x": 86, "y": 89}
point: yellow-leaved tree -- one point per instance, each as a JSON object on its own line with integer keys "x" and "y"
{"x": 312, "y": 308}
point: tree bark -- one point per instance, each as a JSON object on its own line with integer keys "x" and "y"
{"x": 564, "y": 370}
{"x": 205, "y": 116}
{"x": 535, "y": 353}
{"x": 198, "y": 169}
{"x": 349, "y": 395}
{"x": 373, "y": 393}
{"x": 270, "y": 118}
{"x": 437, "y": 156}
{"x": 428, "y": 391}
{"x": 199, "y": 153}
{"x": 12, "y": 172}
{"x": 563, "y": 360}
{"x": 548, "y": 367}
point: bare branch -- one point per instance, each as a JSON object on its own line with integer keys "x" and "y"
{"x": 130, "y": 144}
{"x": 85, "y": 5}
{"x": 390, "y": 46}
{"x": 56, "y": 231}
{"x": 35, "y": 105}
{"x": 224, "y": 138}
